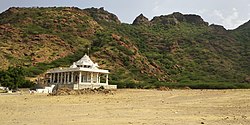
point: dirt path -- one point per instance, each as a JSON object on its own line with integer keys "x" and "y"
{"x": 137, "y": 107}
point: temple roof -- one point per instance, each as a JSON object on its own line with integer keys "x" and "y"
{"x": 84, "y": 64}
{"x": 85, "y": 60}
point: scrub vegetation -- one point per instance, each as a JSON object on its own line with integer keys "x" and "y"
{"x": 173, "y": 50}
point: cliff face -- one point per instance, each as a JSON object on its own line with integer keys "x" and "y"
{"x": 172, "y": 48}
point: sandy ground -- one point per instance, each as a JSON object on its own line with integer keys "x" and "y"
{"x": 125, "y": 107}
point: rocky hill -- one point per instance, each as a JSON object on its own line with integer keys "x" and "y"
{"x": 169, "y": 48}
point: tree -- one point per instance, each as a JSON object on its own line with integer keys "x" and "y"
{"x": 13, "y": 78}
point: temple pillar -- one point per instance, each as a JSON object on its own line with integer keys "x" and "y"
{"x": 72, "y": 77}
{"x": 68, "y": 78}
{"x": 57, "y": 81}
{"x": 64, "y": 77}
{"x": 97, "y": 76}
{"x": 91, "y": 77}
{"x": 87, "y": 74}
{"x": 50, "y": 78}
{"x": 99, "y": 79}
{"x": 61, "y": 79}
{"x": 80, "y": 77}
{"x": 107, "y": 79}
{"x": 54, "y": 78}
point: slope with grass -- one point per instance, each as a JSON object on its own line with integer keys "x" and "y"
{"x": 173, "y": 48}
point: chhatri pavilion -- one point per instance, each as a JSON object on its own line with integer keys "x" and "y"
{"x": 81, "y": 74}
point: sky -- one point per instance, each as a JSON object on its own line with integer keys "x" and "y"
{"x": 228, "y": 13}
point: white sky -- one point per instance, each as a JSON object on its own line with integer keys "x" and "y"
{"x": 229, "y": 13}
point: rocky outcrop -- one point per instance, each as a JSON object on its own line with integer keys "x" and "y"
{"x": 177, "y": 18}
{"x": 165, "y": 20}
{"x": 141, "y": 20}
{"x": 217, "y": 28}
{"x": 195, "y": 19}
{"x": 102, "y": 15}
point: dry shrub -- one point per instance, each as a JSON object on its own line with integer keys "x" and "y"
{"x": 68, "y": 91}
{"x": 163, "y": 88}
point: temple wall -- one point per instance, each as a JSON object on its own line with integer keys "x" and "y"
{"x": 84, "y": 86}
{"x": 71, "y": 86}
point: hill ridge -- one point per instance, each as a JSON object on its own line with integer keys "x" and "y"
{"x": 169, "y": 48}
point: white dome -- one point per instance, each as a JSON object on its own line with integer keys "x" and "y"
{"x": 85, "y": 60}
{"x": 74, "y": 65}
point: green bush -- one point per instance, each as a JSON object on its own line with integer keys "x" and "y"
{"x": 125, "y": 50}
{"x": 192, "y": 85}
{"x": 14, "y": 78}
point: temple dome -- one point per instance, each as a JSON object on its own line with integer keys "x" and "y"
{"x": 85, "y": 62}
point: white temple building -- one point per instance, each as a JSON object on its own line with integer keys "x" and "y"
{"x": 82, "y": 74}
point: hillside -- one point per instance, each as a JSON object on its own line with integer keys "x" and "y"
{"x": 173, "y": 48}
